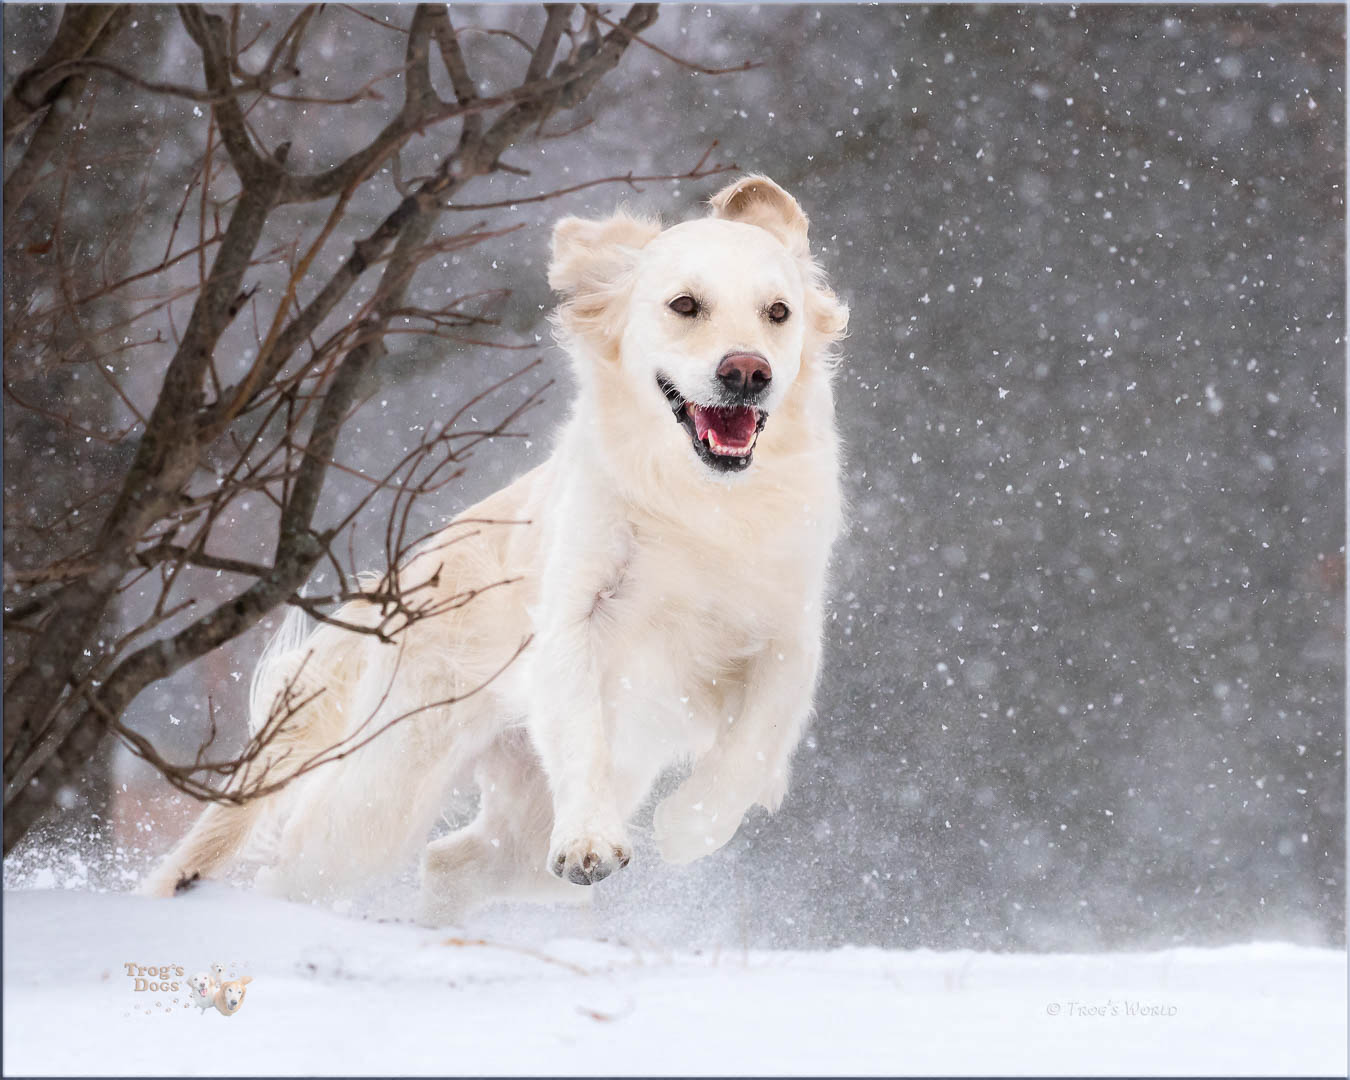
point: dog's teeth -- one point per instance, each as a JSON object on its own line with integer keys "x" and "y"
{"x": 722, "y": 450}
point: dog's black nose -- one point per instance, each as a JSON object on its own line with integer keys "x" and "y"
{"x": 744, "y": 373}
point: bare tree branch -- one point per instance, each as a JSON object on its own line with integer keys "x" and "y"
{"x": 82, "y": 27}
{"x": 86, "y": 30}
{"x": 220, "y": 429}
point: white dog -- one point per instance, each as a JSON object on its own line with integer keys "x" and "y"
{"x": 202, "y": 991}
{"x": 667, "y": 565}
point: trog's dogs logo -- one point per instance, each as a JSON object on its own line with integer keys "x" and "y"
{"x": 207, "y": 989}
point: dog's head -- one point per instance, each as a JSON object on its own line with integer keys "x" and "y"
{"x": 709, "y": 324}
{"x": 200, "y": 984}
{"x": 232, "y": 993}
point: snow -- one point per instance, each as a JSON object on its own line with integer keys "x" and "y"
{"x": 338, "y": 995}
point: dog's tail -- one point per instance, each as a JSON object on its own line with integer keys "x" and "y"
{"x": 299, "y": 673}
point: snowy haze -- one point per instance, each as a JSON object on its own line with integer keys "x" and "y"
{"x": 1084, "y": 684}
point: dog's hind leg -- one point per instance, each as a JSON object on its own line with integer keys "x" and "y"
{"x": 224, "y": 829}
{"x": 371, "y": 811}
{"x": 216, "y": 837}
{"x": 503, "y": 854}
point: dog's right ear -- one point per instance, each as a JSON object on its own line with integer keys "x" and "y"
{"x": 589, "y": 255}
{"x": 590, "y": 266}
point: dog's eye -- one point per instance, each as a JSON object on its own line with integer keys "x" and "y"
{"x": 684, "y": 305}
{"x": 778, "y": 312}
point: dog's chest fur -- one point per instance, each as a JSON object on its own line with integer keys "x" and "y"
{"x": 693, "y": 598}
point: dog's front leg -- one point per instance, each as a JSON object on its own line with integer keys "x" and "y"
{"x": 749, "y": 762}
{"x": 567, "y": 721}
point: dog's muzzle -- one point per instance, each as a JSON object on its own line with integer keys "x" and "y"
{"x": 723, "y": 435}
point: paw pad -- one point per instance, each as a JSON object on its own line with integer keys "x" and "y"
{"x": 583, "y": 863}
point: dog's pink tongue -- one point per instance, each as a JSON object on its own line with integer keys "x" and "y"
{"x": 733, "y": 427}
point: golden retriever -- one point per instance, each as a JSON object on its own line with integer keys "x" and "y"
{"x": 668, "y": 568}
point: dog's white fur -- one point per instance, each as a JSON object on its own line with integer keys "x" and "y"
{"x": 674, "y": 613}
{"x": 202, "y": 991}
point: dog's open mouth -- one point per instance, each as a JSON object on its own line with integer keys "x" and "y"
{"x": 722, "y": 436}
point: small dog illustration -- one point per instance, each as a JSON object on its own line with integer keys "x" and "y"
{"x": 202, "y": 991}
{"x": 230, "y": 996}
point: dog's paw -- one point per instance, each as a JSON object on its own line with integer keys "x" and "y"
{"x": 589, "y": 859}
{"x": 167, "y": 881}
{"x": 687, "y": 830}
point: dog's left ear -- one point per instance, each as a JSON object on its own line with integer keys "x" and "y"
{"x": 757, "y": 200}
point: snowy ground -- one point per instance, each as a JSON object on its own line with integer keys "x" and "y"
{"x": 339, "y": 995}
